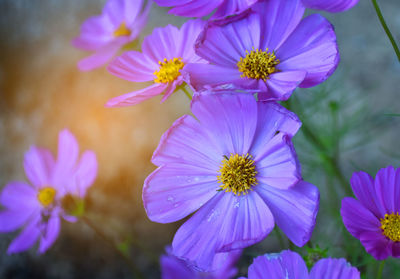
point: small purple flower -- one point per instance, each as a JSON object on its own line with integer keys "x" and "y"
{"x": 333, "y": 6}
{"x": 37, "y": 207}
{"x": 120, "y": 23}
{"x": 165, "y": 52}
{"x": 270, "y": 49}
{"x": 288, "y": 264}
{"x": 223, "y": 267}
{"x": 374, "y": 217}
{"x": 200, "y": 8}
{"x": 237, "y": 171}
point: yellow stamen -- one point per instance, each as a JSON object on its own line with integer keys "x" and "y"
{"x": 258, "y": 64}
{"x": 391, "y": 226}
{"x": 237, "y": 174}
{"x": 169, "y": 70}
{"x": 46, "y": 196}
{"x": 122, "y": 30}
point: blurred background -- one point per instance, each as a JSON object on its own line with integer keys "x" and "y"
{"x": 42, "y": 91}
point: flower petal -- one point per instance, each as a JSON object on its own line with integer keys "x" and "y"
{"x": 39, "y": 164}
{"x": 176, "y": 190}
{"x": 85, "y": 173}
{"x": 334, "y": 269}
{"x": 232, "y": 7}
{"x": 311, "y": 47}
{"x": 10, "y": 220}
{"x": 333, "y": 6}
{"x": 387, "y": 185}
{"x": 376, "y": 244}
{"x": 51, "y": 232}
{"x": 225, "y": 223}
{"x": 277, "y": 164}
{"x": 192, "y": 8}
{"x": 281, "y": 85}
{"x": 294, "y": 210}
{"x": 138, "y": 96}
{"x": 231, "y": 120}
{"x": 19, "y": 196}
{"x": 174, "y": 268}
{"x": 26, "y": 238}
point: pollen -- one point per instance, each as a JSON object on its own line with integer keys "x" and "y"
{"x": 122, "y": 30}
{"x": 169, "y": 70}
{"x": 391, "y": 226}
{"x": 237, "y": 174}
{"x": 258, "y": 64}
{"x": 46, "y": 196}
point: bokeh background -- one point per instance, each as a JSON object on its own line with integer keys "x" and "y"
{"x": 42, "y": 92}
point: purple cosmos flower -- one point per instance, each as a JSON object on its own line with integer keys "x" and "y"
{"x": 290, "y": 265}
{"x": 269, "y": 49}
{"x": 119, "y": 24}
{"x": 165, "y": 52}
{"x": 37, "y": 207}
{"x": 238, "y": 169}
{"x": 223, "y": 267}
{"x": 374, "y": 217}
{"x": 200, "y": 8}
{"x": 333, "y": 6}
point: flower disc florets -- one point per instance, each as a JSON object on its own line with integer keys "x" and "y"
{"x": 46, "y": 196}
{"x": 169, "y": 70}
{"x": 238, "y": 174}
{"x": 391, "y": 226}
{"x": 122, "y": 30}
{"x": 258, "y": 64}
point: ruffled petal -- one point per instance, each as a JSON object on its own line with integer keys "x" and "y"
{"x": 39, "y": 165}
{"x": 225, "y": 223}
{"x": 295, "y": 210}
{"x": 176, "y": 190}
{"x": 133, "y": 66}
{"x": 334, "y": 269}
{"x": 387, "y": 185}
{"x": 333, "y": 6}
{"x": 232, "y": 7}
{"x": 281, "y": 85}
{"x": 276, "y": 163}
{"x": 193, "y": 8}
{"x": 138, "y": 96}
{"x": 278, "y": 20}
{"x": 364, "y": 189}
{"x": 50, "y": 233}
{"x": 27, "y": 238}
{"x": 231, "y": 120}
{"x": 357, "y": 218}
{"x": 312, "y": 48}
{"x": 272, "y": 118}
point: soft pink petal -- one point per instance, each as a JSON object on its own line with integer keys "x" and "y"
{"x": 39, "y": 165}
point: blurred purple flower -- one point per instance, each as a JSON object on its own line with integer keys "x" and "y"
{"x": 288, "y": 264}
{"x": 37, "y": 207}
{"x": 200, "y": 8}
{"x": 238, "y": 169}
{"x": 165, "y": 52}
{"x": 223, "y": 267}
{"x": 374, "y": 217}
{"x": 333, "y": 6}
{"x": 270, "y": 49}
{"x": 120, "y": 23}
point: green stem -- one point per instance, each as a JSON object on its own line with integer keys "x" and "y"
{"x": 380, "y": 269}
{"x": 386, "y": 28}
{"x": 135, "y": 271}
{"x": 186, "y": 92}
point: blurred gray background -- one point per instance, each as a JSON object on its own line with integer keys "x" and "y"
{"x": 42, "y": 92}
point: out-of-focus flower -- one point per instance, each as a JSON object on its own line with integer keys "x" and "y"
{"x": 270, "y": 49}
{"x": 223, "y": 267}
{"x": 374, "y": 217}
{"x": 164, "y": 53}
{"x": 289, "y": 265}
{"x": 200, "y": 8}
{"x": 37, "y": 207}
{"x": 238, "y": 169}
{"x": 333, "y": 6}
{"x": 120, "y": 23}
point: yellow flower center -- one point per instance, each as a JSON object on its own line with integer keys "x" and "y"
{"x": 169, "y": 70}
{"x": 391, "y": 226}
{"x": 237, "y": 174}
{"x": 258, "y": 64}
{"x": 122, "y": 30}
{"x": 46, "y": 196}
